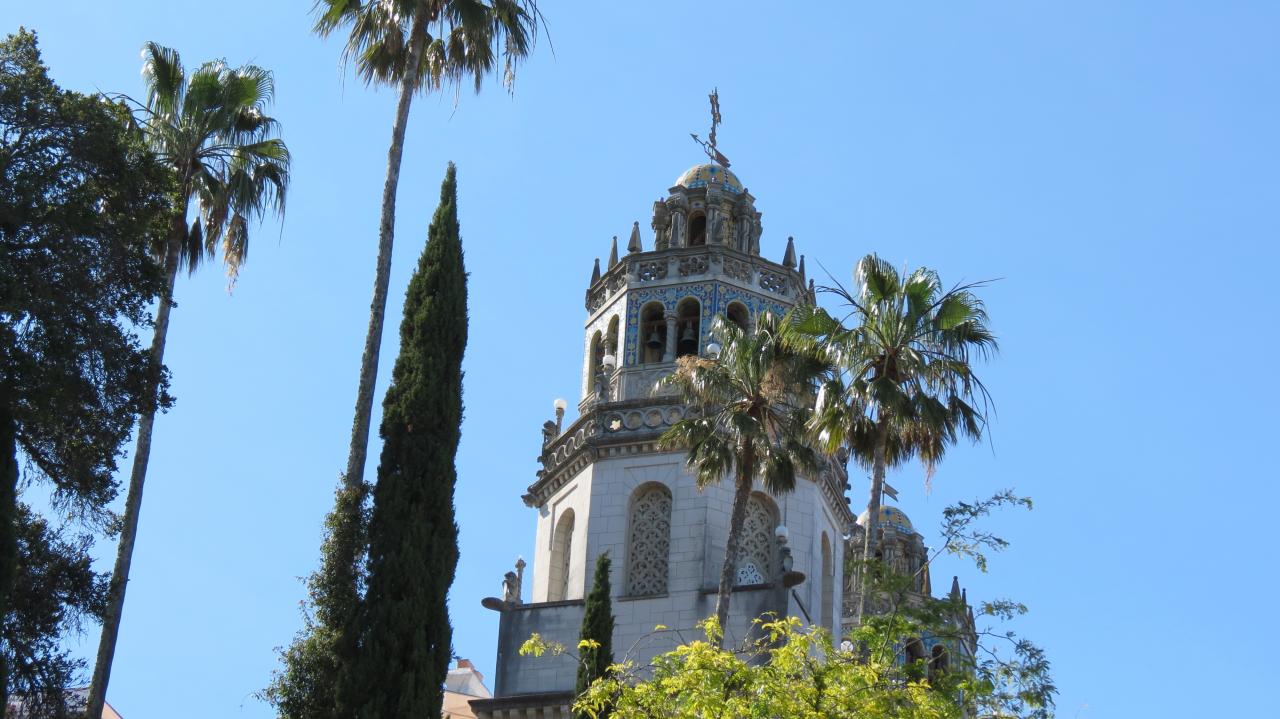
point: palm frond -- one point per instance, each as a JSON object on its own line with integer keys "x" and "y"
{"x": 464, "y": 39}
{"x": 902, "y": 362}
{"x": 164, "y": 77}
{"x": 212, "y": 127}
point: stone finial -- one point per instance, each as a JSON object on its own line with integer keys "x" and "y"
{"x": 789, "y": 259}
{"x": 802, "y": 269}
{"x": 633, "y": 244}
{"x": 595, "y": 273}
{"x": 955, "y": 587}
{"x": 613, "y": 252}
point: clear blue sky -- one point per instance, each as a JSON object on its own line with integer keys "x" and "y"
{"x": 1116, "y": 163}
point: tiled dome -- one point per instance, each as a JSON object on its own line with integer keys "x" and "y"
{"x": 708, "y": 172}
{"x": 890, "y": 516}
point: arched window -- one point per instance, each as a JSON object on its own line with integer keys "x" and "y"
{"x": 597, "y": 357}
{"x": 611, "y": 338}
{"x": 938, "y": 664}
{"x": 915, "y": 658}
{"x": 757, "y": 546}
{"x": 649, "y": 541}
{"x": 653, "y": 333}
{"x": 697, "y": 229}
{"x": 828, "y": 583}
{"x": 561, "y": 551}
{"x": 689, "y": 326}
{"x": 737, "y": 314}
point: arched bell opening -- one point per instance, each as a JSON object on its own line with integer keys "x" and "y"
{"x": 737, "y": 314}
{"x": 611, "y": 337}
{"x": 698, "y": 229}
{"x": 653, "y": 333}
{"x": 914, "y": 658}
{"x": 689, "y": 326}
{"x": 597, "y": 358}
{"x": 938, "y": 663}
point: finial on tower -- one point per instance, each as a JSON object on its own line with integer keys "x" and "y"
{"x": 634, "y": 244}
{"x": 613, "y": 252}
{"x": 595, "y": 273}
{"x": 709, "y": 146}
{"x": 789, "y": 258}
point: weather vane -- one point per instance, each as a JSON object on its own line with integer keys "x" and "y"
{"x": 709, "y": 146}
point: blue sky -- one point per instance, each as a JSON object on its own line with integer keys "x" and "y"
{"x": 1115, "y": 164}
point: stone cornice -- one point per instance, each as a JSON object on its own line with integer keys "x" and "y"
{"x": 657, "y": 268}
{"x": 630, "y": 427}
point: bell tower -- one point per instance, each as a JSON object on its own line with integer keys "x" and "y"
{"x": 648, "y": 308}
{"x": 604, "y": 485}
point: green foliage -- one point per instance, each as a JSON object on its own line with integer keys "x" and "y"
{"x": 790, "y": 672}
{"x": 80, "y": 200}
{"x": 904, "y": 361}
{"x": 55, "y": 590}
{"x": 753, "y": 404}
{"x": 405, "y": 637}
{"x": 213, "y": 129}
{"x": 596, "y": 640}
{"x": 903, "y": 385}
{"x": 794, "y": 672}
{"x": 461, "y": 39}
{"x": 306, "y": 685}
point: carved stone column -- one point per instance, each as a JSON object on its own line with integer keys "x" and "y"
{"x": 670, "y": 355}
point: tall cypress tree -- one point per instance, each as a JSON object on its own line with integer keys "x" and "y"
{"x": 597, "y": 625}
{"x": 404, "y": 632}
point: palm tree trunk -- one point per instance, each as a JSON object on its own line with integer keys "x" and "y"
{"x": 873, "y": 513}
{"x": 737, "y": 516}
{"x": 382, "y": 276}
{"x": 133, "y": 500}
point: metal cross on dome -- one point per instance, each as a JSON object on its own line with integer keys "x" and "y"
{"x": 709, "y": 146}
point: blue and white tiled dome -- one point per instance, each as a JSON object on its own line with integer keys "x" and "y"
{"x": 708, "y": 172}
{"x": 890, "y": 517}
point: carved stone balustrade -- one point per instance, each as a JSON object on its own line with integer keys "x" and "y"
{"x": 674, "y": 266}
{"x": 604, "y": 429}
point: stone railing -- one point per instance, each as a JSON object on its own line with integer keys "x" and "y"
{"x": 601, "y": 426}
{"x": 682, "y": 264}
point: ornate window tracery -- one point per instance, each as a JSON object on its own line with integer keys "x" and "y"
{"x": 757, "y": 546}
{"x": 649, "y": 541}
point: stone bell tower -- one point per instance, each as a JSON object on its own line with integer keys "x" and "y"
{"x": 605, "y": 486}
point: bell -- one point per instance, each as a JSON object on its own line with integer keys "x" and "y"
{"x": 688, "y": 335}
{"x": 654, "y": 340}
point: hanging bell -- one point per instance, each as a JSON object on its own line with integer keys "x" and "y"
{"x": 687, "y": 335}
{"x": 654, "y": 340}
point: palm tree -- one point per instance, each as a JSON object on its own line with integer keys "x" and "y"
{"x": 753, "y": 404}
{"x": 213, "y": 130}
{"x": 417, "y": 45}
{"x": 904, "y": 386}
